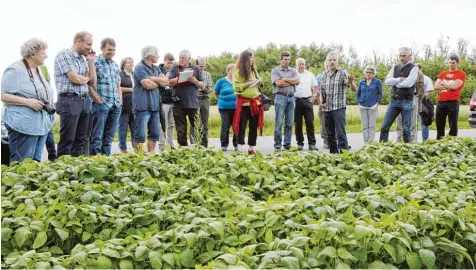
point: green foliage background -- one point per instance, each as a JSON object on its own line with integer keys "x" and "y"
{"x": 433, "y": 60}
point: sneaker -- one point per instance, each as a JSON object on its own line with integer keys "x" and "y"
{"x": 236, "y": 148}
{"x": 312, "y": 148}
{"x": 161, "y": 147}
{"x": 300, "y": 147}
{"x": 124, "y": 152}
{"x": 326, "y": 146}
{"x": 277, "y": 149}
{"x": 224, "y": 149}
{"x": 251, "y": 152}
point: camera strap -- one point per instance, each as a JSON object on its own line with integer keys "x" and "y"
{"x": 32, "y": 79}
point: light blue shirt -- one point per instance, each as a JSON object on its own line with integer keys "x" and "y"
{"x": 23, "y": 119}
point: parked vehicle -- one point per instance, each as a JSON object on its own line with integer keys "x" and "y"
{"x": 472, "y": 111}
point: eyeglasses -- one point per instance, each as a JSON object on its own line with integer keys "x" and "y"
{"x": 369, "y": 72}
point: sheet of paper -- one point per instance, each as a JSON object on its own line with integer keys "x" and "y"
{"x": 184, "y": 75}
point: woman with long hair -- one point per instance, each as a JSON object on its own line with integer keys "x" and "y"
{"x": 249, "y": 108}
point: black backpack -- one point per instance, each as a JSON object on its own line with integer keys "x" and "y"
{"x": 428, "y": 111}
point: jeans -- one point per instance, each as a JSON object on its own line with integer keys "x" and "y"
{"x": 180, "y": 118}
{"x": 226, "y": 122}
{"x": 414, "y": 123}
{"x": 167, "y": 109}
{"x": 425, "y": 131}
{"x": 335, "y": 125}
{"x": 368, "y": 116}
{"x": 304, "y": 109}
{"x": 125, "y": 120}
{"x": 74, "y": 115}
{"x": 204, "y": 109}
{"x": 50, "y": 142}
{"x": 284, "y": 113}
{"x": 323, "y": 130}
{"x": 104, "y": 123}
{"x": 445, "y": 109}
{"x": 24, "y": 146}
{"x": 393, "y": 110}
{"x": 144, "y": 120}
{"x": 253, "y": 125}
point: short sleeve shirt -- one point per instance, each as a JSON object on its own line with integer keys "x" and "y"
{"x": 186, "y": 91}
{"x": 279, "y": 73}
{"x": 69, "y": 60}
{"x": 145, "y": 99}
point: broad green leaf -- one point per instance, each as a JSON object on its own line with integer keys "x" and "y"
{"x": 169, "y": 258}
{"x": 21, "y": 235}
{"x": 191, "y": 239}
{"x": 268, "y": 238}
{"x": 290, "y": 262}
{"x": 427, "y": 258}
{"x": 126, "y": 264}
{"x": 413, "y": 260}
{"x": 111, "y": 253}
{"x": 6, "y": 233}
{"x": 55, "y": 250}
{"x": 344, "y": 254}
{"x": 80, "y": 257}
{"x": 140, "y": 251}
{"x": 300, "y": 241}
{"x": 218, "y": 227}
{"x": 391, "y": 250}
{"x": 186, "y": 259}
{"x": 207, "y": 256}
{"x": 244, "y": 238}
{"x": 42, "y": 265}
{"x": 329, "y": 252}
{"x": 40, "y": 240}
{"x": 377, "y": 265}
{"x": 103, "y": 262}
{"x": 86, "y": 236}
{"x": 342, "y": 265}
{"x": 230, "y": 259}
{"x": 63, "y": 234}
{"x": 156, "y": 262}
{"x": 271, "y": 220}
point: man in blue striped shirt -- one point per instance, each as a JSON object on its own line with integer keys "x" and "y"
{"x": 107, "y": 100}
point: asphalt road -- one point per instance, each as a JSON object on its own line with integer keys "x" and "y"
{"x": 265, "y": 143}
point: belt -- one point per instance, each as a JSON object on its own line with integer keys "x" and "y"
{"x": 83, "y": 95}
{"x": 202, "y": 97}
{"x": 285, "y": 94}
{"x": 303, "y": 98}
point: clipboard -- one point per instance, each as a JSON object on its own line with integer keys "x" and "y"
{"x": 184, "y": 75}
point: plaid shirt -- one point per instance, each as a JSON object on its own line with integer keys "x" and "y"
{"x": 108, "y": 80}
{"x": 332, "y": 88}
{"x": 68, "y": 60}
{"x": 207, "y": 79}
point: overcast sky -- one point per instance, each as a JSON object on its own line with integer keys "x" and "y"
{"x": 209, "y": 27}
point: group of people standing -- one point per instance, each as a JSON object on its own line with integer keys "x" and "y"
{"x": 97, "y": 97}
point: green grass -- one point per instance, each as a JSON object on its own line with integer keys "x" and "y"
{"x": 353, "y": 121}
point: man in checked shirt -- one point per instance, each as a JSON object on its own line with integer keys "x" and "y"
{"x": 333, "y": 102}
{"x": 107, "y": 100}
{"x": 203, "y": 101}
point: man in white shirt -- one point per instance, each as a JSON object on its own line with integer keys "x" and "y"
{"x": 306, "y": 94}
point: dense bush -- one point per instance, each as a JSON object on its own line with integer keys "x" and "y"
{"x": 433, "y": 63}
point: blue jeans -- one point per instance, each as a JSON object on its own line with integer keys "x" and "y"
{"x": 394, "y": 108}
{"x": 144, "y": 120}
{"x": 284, "y": 113}
{"x": 24, "y": 146}
{"x": 425, "y": 131}
{"x": 335, "y": 122}
{"x": 50, "y": 143}
{"x": 104, "y": 123}
{"x": 126, "y": 120}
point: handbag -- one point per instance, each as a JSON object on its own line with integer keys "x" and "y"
{"x": 264, "y": 99}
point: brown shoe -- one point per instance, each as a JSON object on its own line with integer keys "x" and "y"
{"x": 251, "y": 152}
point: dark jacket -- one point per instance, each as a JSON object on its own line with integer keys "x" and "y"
{"x": 126, "y": 81}
{"x": 165, "y": 93}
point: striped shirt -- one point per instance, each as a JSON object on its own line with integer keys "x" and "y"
{"x": 332, "y": 88}
{"x": 207, "y": 79}
{"x": 68, "y": 60}
{"x": 108, "y": 79}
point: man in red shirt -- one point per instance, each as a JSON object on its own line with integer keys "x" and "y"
{"x": 449, "y": 85}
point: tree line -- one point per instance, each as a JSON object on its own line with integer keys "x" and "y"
{"x": 432, "y": 58}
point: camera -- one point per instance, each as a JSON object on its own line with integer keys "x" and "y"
{"x": 50, "y": 109}
{"x": 175, "y": 97}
